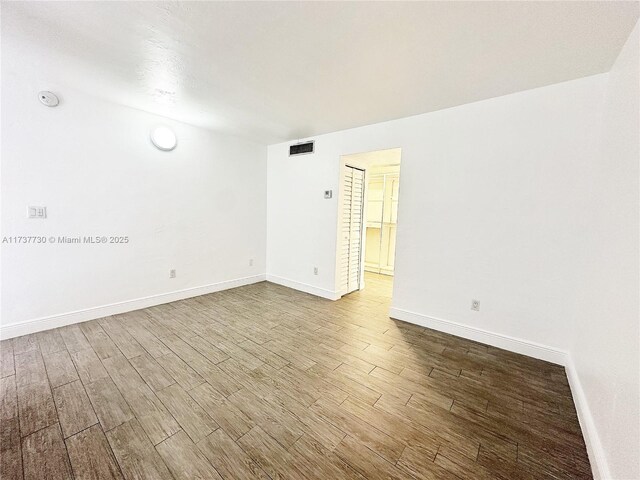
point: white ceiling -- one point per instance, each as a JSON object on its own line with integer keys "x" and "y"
{"x": 284, "y": 70}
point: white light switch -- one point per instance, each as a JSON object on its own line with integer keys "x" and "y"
{"x": 37, "y": 212}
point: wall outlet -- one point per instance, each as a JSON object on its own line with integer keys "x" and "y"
{"x": 328, "y": 194}
{"x": 315, "y": 270}
{"x": 251, "y": 262}
{"x": 475, "y": 305}
{"x": 37, "y": 212}
{"x": 172, "y": 274}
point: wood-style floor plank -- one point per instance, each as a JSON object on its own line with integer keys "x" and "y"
{"x": 366, "y": 462}
{"x": 185, "y": 460}
{"x": 10, "y": 448}
{"x": 271, "y": 456}
{"x": 146, "y": 406}
{"x": 88, "y": 365}
{"x": 108, "y": 403}
{"x": 384, "y": 445}
{"x": 124, "y": 341}
{"x": 51, "y": 341}
{"x": 25, "y": 344}
{"x": 229, "y": 460}
{"x": 276, "y": 421}
{"x": 151, "y": 371}
{"x": 30, "y": 368}
{"x": 45, "y": 456}
{"x": 186, "y": 376}
{"x": 8, "y": 398}
{"x": 60, "y": 368}
{"x": 73, "y": 338}
{"x": 7, "y": 367}
{"x": 101, "y": 343}
{"x": 35, "y": 407}
{"x": 91, "y": 456}
{"x": 136, "y": 455}
{"x": 223, "y": 412}
{"x": 311, "y": 456}
{"x": 74, "y": 408}
{"x": 191, "y": 417}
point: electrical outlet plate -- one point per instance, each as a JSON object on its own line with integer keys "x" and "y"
{"x": 328, "y": 194}
{"x": 315, "y": 270}
{"x": 475, "y": 305}
{"x": 172, "y": 274}
{"x": 37, "y": 212}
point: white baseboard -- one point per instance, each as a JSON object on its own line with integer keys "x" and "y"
{"x": 513, "y": 344}
{"x": 303, "y": 287}
{"x": 54, "y": 321}
{"x": 597, "y": 458}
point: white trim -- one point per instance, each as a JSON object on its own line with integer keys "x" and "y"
{"x": 597, "y": 457}
{"x": 54, "y": 321}
{"x": 513, "y": 344}
{"x": 303, "y": 287}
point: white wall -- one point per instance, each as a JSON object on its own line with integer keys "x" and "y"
{"x": 606, "y": 335}
{"x": 199, "y": 209}
{"x": 492, "y": 200}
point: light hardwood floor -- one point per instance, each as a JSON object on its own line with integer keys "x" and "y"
{"x": 266, "y": 382}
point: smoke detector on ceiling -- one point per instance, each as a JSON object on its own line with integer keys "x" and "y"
{"x": 49, "y": 99}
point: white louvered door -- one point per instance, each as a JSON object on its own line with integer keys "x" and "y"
{"x": 352, "y": 206}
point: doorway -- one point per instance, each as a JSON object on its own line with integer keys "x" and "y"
{"x": 367, "y": 220}
{"x": 382, "y": 218}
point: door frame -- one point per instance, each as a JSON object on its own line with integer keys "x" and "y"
{"x": 344, "y": 161}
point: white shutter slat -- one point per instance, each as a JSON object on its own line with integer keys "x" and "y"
{"x": 350, "y": 256}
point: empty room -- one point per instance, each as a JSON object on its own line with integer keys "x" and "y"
{"x": 320, "y": 240}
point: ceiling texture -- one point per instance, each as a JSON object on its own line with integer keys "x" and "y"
{"x": 277, "y": 71}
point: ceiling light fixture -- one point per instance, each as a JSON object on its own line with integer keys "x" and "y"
{"x": 163, "y": 138}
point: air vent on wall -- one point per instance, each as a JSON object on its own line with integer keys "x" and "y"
{"x": 301, "y": 148}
